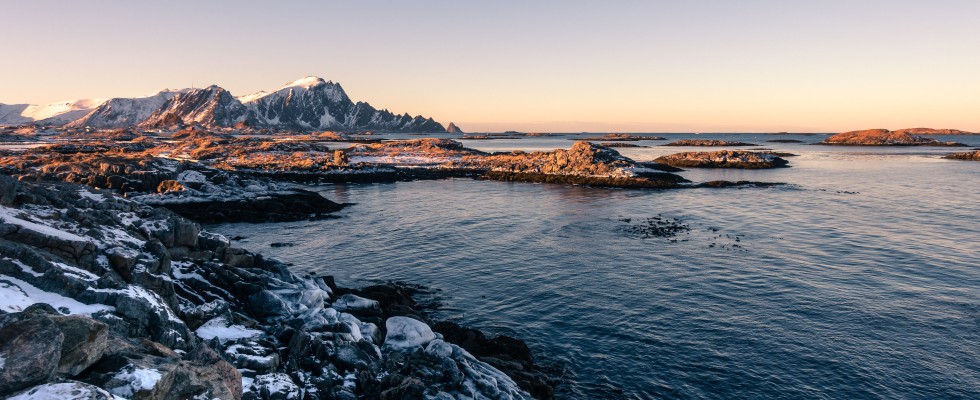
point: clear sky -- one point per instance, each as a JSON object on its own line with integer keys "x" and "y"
{"x": 640, "y": 66}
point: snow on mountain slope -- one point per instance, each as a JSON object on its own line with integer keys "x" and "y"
{"x": 210, "y": 106}
{"x": 304, "y": 104}
{"x": 310, "y": 103}
{"x": 50, "y": 114}
{"x": 121, "y": 111}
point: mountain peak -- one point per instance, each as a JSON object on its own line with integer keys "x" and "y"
{"x": 307, "y": 82}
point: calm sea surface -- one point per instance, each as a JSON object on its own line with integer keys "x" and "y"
{"x": 860, "y": 280}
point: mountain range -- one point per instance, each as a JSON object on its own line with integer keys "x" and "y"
{"x": 306, "y": 104}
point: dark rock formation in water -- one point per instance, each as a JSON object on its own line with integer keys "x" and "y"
{"x": 707, "y": 143}
{"x": 584, "y": 164}
{"x": 452, "y": 128}
{"x": 883, "y": 137}
{"x": 621, "y": 137}
{"x": 724, "y": 159}
{"x": 973, "y": 155}
{"x": 141, "y": 303}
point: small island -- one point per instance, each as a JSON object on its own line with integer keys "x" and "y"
{"x": 972, "y": 155}
{"x": 884, "y": 137}
{"x": 621, "y": 137}
{"x": 740, "y": 159}
{"x": 707, "y": 143}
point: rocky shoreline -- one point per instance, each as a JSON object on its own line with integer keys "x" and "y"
{"x": 107, "y": 296}
{"x": 973, "y": 155}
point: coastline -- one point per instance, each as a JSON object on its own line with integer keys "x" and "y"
{"x": 163, "y": 299}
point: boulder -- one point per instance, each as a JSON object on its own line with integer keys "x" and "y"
{"x": 30, "y": 350}
{"x": 407, "y": 333}
{"x": 8, "y": 190}
{"x": 170, "y": 186}
{"x": 69, "y": 390}
{"x": 83, "y": 345}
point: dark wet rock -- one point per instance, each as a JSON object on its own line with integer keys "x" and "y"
{"x": 884, "y": 137}
{"x": 31, "y": 350}
{"x": 8, "y": 190}
{"x": 651, "y": 227}
{"x": 509, "y": 355}
{"x": 84, "y": 342}
{"x": 660, "y": 167}
{"x": 707, "y": 143}
{"x": 282, "y": 244}
{"x": 724, "y": 159}
{"x": 973, "y": 155}
{"x": 293, "y": 206}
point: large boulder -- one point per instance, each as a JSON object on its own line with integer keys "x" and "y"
{"x": 8, "y": 190}
{"x": 407, "y": 333}
{"x": 30, "y": 350}
{"x": 83, "y": 345}
{"x": 69, "y": 390}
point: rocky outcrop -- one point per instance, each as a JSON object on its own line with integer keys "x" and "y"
{"x": 931, "y": 131}
{"x": 883, "y": 137}
{"x": 724, "y": 159}
{"x": 585, "y": 163}
{"x": 707, "y": 143}
{"x": 452, "y": 128}
{"x": 157, "y": 308}
{"x": 621, "y": 137}
{"x": 973, "y": 155}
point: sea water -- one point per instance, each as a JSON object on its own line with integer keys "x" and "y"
{"x": 860, "y": 279}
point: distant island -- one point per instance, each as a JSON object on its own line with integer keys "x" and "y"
{"x": 884, "y": 137}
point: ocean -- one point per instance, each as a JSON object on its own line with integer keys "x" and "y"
{"x": 860, "y": 279}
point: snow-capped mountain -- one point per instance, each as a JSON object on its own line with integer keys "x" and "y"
{"x": 306, "y": 104}
{"x": 120, "y": 111}
{"x": 210, "y": 106}
{"x": 51, "y": 114}
{"x": 313, "y": 103}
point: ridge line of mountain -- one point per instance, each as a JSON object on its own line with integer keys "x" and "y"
{"x": 307, "y": 104}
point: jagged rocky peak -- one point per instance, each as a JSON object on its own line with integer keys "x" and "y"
{"x": 452, "y": 128}
{"x": 307, "y": 104}
{"x": 210, "y": 106}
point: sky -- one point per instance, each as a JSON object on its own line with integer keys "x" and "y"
{"x": 560, "y": 66}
